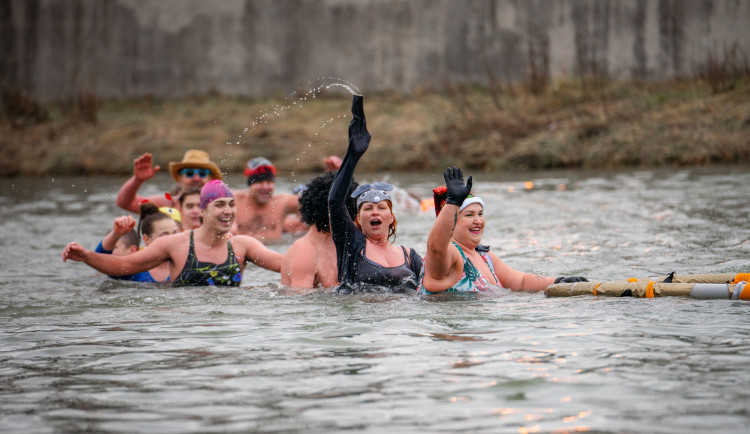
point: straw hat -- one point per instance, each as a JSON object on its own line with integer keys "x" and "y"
{"x": 196, "y": 159}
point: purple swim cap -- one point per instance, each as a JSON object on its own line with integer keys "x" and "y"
{"x": 214, "y": 189}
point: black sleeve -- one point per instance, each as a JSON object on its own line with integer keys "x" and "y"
{"x": 343, "y": 229}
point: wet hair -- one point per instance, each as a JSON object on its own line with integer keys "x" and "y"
{"x": 188, "y": 192}
{"x": 131, "y": 239}
{"x": 391, "y": 227}
{"x": 313, "y": 202}
{"x": 150, "y": 214}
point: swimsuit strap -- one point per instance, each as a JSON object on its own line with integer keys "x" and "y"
{"x": 460, "y": 251}
{"x": 486, "y": 259}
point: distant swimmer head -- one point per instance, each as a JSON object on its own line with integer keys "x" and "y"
{"x": 374, "y": 193}
{"x": 259, "y": 169}
{"x": 214, "y": 190}
{"x": 195, "y": 163}
{"x": 440, "y": 194}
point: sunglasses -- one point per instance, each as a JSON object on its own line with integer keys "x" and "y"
{"x": 190, "y": 172}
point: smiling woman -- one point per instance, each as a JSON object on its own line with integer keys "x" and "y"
{"x": 455, "y": 260}
{"x": 366, "y": 257}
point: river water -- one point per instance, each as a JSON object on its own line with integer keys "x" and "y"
{"x": 81, "y": 352}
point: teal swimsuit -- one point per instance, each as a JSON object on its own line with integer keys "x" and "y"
{"x": 471, "y": 279}
{"x": 197, "y": 273}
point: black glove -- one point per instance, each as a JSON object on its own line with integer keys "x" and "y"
{"x": 454, "y": 183}
{"x": 359, "y": 137}
{"x": 571, "y": 279}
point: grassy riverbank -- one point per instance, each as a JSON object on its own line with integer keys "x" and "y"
{"x": 569, "y": 124}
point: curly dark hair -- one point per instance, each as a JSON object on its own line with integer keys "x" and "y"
{"x": 313, "y": 202}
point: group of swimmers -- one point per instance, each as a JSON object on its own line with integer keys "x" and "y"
{"x": 349, "y": 231}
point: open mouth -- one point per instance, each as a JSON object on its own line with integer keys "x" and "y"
{"x": 375, "y": 223}
{"x": 476, "y": 230}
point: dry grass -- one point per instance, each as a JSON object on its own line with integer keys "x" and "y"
{"x": 568, "y": 124}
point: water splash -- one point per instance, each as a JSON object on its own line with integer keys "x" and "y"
{"x": 296, "y": 100}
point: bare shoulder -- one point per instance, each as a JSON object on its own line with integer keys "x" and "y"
{"x": 303, "y": 247}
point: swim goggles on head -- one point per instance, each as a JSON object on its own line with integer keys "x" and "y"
{"x": 189, "y": 172}
{"x": 374, "y": 193}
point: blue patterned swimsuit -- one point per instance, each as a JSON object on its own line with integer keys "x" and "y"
{"x": 471, "y": 279}
{"x": 197, "y": 273}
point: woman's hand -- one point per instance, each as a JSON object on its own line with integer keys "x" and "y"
{"x": 359, "y": 137}
{"x": 454, "y": 183}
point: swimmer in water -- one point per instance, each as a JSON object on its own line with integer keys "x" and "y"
{"x": 203, "y": 256}
{"x": 311, "y": 261}
{"x": 261, "y": 213}
{"x": 195, "y": 169}
{"x": 153, "y": 224}
{"x": 190, "y": 208}
{"x": 367, "y": 259}
{"x": 455, "y": 259}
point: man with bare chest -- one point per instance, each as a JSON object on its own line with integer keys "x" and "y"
{"x": 261, "y": 213}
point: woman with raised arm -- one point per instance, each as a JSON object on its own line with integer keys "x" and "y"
{"x": 455, "y": 260}
{"x": 366, "y": 257}
{"x": 208, "y": 255}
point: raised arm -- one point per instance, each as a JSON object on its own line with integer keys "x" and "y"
{"x": 359, "y": 140}
{"x": 443, "y": 264}
{"x": 128, "y": 198}
{"x": 120, "y": 226}
{"x": 113, "y": 265}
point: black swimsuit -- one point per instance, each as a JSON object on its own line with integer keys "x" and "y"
{"x": 197, "y": 273}
{"x": 395, "y": 279}
{"x": 357, "y": 273}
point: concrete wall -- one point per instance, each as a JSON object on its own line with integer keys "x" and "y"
{"x": 117, "y": 48}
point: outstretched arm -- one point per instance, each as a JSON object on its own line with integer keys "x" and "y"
{"x": 128, "y": 198}
{"x": 257, "y": 253}
{"x": 113, "y": 265}
{"x": 518, "y": 280}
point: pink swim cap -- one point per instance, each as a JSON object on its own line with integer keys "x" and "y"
{"x": 214, "y": 189}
